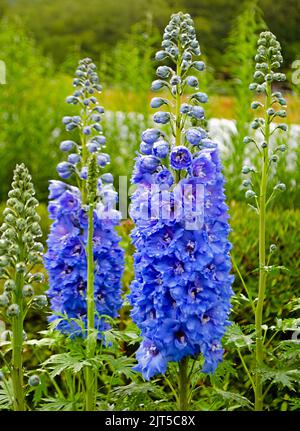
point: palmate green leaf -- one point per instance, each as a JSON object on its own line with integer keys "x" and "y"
{"x": 65, "y": 362}
{"x": 235, "y": 336}
{"x": 43, "y": 342}
{"x": 235, "y": 400}
{"x": 289, "y": 350}
{"x": 295, "y": 304}
{"x": 115, "y": 336}
{"x": 6, "y": 392}
{"x": 5, "y": 403}
{"x": 120, "y": 365}
{"x": 282, "y": 377}
{"x": 60, "y": 404}
{"x": 288, "y": 324}
{"x": 138, "y": 388}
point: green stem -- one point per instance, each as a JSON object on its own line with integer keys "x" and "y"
{"x": 262, "y": 261}
{"x": 17, "y": 349}
{"x": 184, "y": 385}
{"x": 90, "y": 376}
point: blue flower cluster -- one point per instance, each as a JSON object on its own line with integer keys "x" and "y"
{"x": 66, "y": 258}
{"x": 182, "y": 288}
{"x": 66, "y": 262}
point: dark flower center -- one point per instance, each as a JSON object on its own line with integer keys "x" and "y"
{"x": 180, "y": 335}
{"x": 190, "y": 247}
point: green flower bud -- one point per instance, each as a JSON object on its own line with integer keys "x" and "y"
{"x": 9, "y": 285}
{"x": 4, "y": 300}
{"x": 250, "y": 194}
{"x": 21, "y": 224}
{"x": 246, "y": 183}
{"x": 4, "y": 261}
{"x": 259, "y": 76}
{"x": 255, "y": 105}
{"x": 34, "y": 380}
{"x": 254, "y": 125}
{"x": 38, "y": 246}
{"x": 273, "y": 248}
{"x": 282, "y": 127}
{"x": 269, "y": 77}
{"x": 247, "y": 139}
{"x": 281, "y": 113}
{"x": 27, "y": 238}
{"x": 4, "y": 243}
{"x": 10, "y": 218}
{"x": 13, "y": 310}
{"x": 280, "y": 187}
{"x": 282, "y": 101}
{"x": 282, "y": 148}
{"x": 253, "y": 86}
{"x": 38, "y": 277}
{"x": 21, "y": 267}
{"x": 274, "y": 158}
{"x": 246, "y": 170}
{"x": 27, "y": 291}
{"x": 41, "y": 300}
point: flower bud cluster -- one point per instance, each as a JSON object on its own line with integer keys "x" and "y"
{"x": 268, "y": 61}
{"x": 87, "y": 124}
{"x": 20, "y": 249}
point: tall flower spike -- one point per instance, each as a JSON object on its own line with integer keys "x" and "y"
{"x": 66, "y": 258}
{"x": 20, "y": 252}
{"x": 268, "y": 61}
{"x": 182, "y": 287}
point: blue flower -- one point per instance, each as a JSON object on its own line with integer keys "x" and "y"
{"x": 192, "y": 81}
{"x": 180, "y": 158}
{"x": 149, "y": 164}
{"x": 197, "y": 112}
{"x": 182, "y": 288}
{"x": 161, "y": 117}
{"x": 150, "y": 360}
{"x": 203, "y": 167}
{"x": 165, "y": 179}
{"x": 194, "y": 135}
{"x": 181, "y": 292}
{"x": 146, "y": 148}
{"x": 151, "y": 135}
{"x": 65, "y": 262}
{"x": 67, "y": 145}
{"x": 161, "y": 149}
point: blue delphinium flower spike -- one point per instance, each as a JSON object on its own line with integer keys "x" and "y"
{"x": 66, "y": 260}
{"x": 182, "y": 288}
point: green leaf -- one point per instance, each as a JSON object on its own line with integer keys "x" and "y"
{"x": 281, "y": 377}
{"x": 235, "y": 336}
{"x": 121, "y": 365}
{"x": 65, "y": 362}
{"x": 234, "y": 399}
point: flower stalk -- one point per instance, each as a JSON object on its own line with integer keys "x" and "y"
{"x": 184, "y": 385}
{"x": 268, "y": 59}
{"x": 20, "y": 252}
